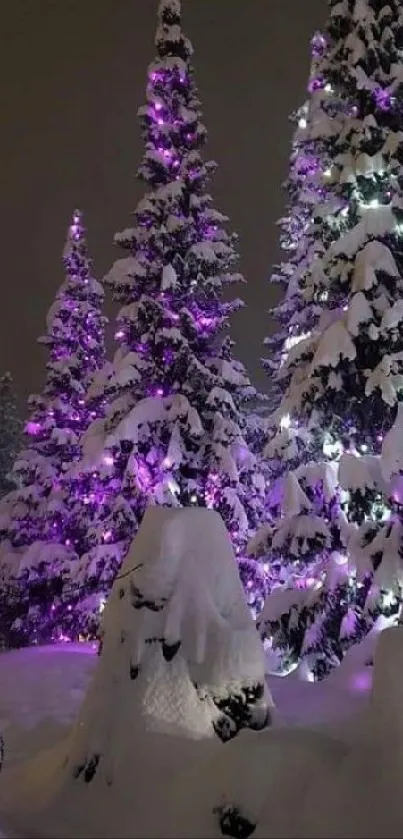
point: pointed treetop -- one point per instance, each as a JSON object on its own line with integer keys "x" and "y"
{"x": 169, "y": 39}
{"x": 76, "y": 230}
{"x": 76, "y": 245}
{"x": 169, "y": 12}
{"x": 6, "y": 377}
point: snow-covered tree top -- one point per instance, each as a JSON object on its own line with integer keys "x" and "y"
{"x": 169, "y": 11}
{"x": 76, "y": 341}
{"x": 169, "y": 39}
{"x": 170, "y": 327}
{"x": 76, "y": 260}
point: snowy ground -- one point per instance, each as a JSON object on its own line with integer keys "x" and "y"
{"x": 330, "y": 768}
{"x": 42, "y": 690}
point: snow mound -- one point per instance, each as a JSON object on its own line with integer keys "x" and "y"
{"x": 179, "y": 644}
{"x": 181, "y": 670}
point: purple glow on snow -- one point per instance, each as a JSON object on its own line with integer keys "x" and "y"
{"x": 315, "y": 84}
{"x": 33, "y": 428}
{"x": 64, "y": 639}
{"x": 362, "y": 682}
{"x": 143, "y": 477}
{"x": 382, "y": 98}
{"x": 318, "y": 44}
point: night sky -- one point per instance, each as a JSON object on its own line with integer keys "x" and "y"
{"x": 72, "y": 74}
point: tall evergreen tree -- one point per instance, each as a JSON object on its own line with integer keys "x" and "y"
{"x": 35, "y": 516}
{"x": 304, "y": 234}
{"x": 10, "y": 432}
{"x": 341, "y": 518}
{"x": 174, "y": 429}
{"x": 303, "y": 238}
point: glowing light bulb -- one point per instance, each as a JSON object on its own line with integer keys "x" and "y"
{"x": 340, "y": 559}
{"x": 302, "y": 122}
{"x": 285, "y": 421}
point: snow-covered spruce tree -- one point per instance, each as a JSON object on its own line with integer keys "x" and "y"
{"x": 174, "y": 429}
{"x": 340, "y": 525}
{"x": 304, "y": 235}
{"x": 37, "y": 532}
{"x": 10, "y": 432}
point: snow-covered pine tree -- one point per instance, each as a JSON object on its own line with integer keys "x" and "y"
{"x": 174, "y": 431}
{"x": 303, "y": 234}
{"x": 303, "y": 238}
{"x": 37, "y": 544}
{"x": 341, "y": 519}
{"x": 10, "y": 432}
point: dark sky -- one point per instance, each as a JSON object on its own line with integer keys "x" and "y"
{"x": 72, "y": 74}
